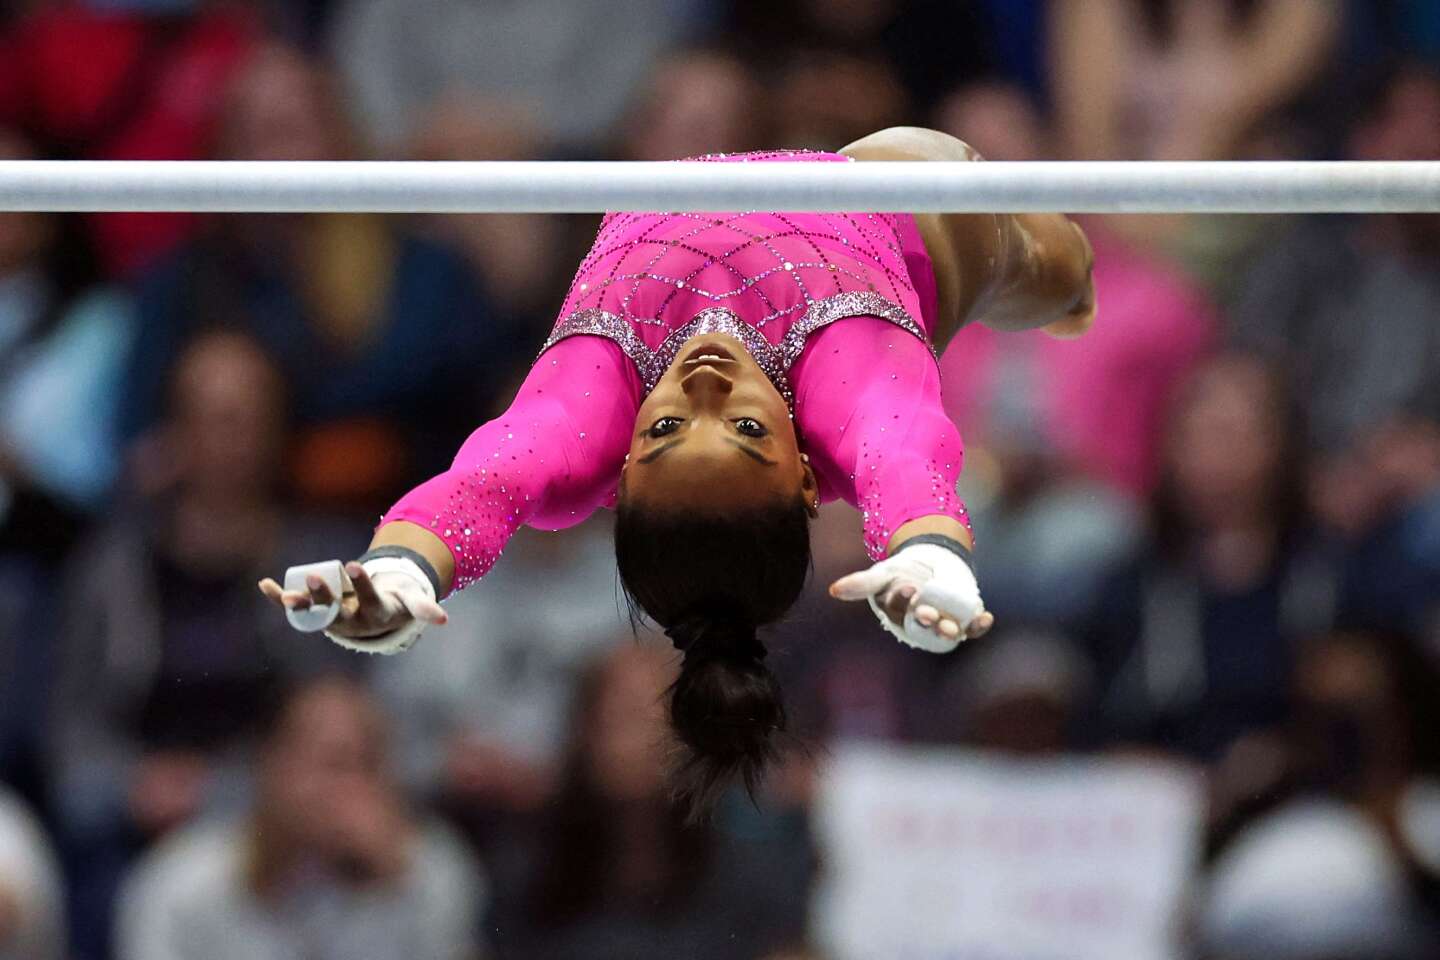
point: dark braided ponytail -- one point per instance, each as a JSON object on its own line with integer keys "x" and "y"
{"x": 711, "y": 582}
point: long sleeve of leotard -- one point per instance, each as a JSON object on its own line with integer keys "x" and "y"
{"x": 868, "y": 411}
{"x": 548, "y": 461}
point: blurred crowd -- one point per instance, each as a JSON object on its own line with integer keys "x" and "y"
{"x": 1210, "y": 529}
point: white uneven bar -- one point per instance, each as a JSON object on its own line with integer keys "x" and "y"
{"x": 592, "y": 187}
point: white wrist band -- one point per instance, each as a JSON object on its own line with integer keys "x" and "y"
{"x": 401, "y": 638}
{"x": 378, "y": 565}
{"x": 942, "y": 580}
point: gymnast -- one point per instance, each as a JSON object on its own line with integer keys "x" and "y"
{"x": 714, "y": 378}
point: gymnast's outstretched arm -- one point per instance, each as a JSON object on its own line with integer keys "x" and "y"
{"x": 1008, "y": 271}
{"x": 868, "y": 411}
{"x": 549, "y": 461}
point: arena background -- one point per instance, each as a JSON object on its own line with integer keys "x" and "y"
{"x": 1209, "y": 530}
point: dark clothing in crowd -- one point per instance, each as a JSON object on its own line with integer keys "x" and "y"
{"x": 1185, "y": 666}
{"x": 434, "y": 335}
{"x": 1353, "y": 323}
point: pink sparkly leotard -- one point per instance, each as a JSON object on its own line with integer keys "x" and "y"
{"x": 865, "y": 393}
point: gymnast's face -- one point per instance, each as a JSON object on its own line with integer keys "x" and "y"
{"x": 714, "y": 433}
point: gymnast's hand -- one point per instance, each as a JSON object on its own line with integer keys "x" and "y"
{"x": 375, "y": 606}
{"x": 924, "y": 595}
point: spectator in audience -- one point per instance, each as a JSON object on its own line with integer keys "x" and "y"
{"x": 32, "y": 923}
{"x": 1180, "y": 79}
{"x": 384, "y": 338}
{"x": 125, "y": 80}
{"x": 1021, "y": 692}
{"x": 63, "y": 346}
{"x": 1348, "y": 304}
{"x": 620, "y": 875}
{"x": 571, "y": 64}
{"x": 481, "y": 716}
{"x": 841, "y": 680}
{"x": 1392, "y": 525}
{"x": 997, "y": 118}
{"x": 163, "y": 650}
{"x": 1195, "y": 635}
{"x": 824, "y": 99}
{"x": 517, "y": 256}
{"x": 64, "y": 342}
{"x": 326, "y": 863}
{"x": 929, "y": 45}
{"x": 697, "y": 101}
{"x": 1188, "y": 80}
{"x": 1338, "y": 854}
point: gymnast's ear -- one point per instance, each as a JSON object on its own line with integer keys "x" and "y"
{"x": 809, "y": 487}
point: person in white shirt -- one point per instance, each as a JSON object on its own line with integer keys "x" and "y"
{"x": 327, "y": 864}
{"x": 31, "y": 911}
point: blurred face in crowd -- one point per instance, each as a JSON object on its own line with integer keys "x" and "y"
{"x": 696, "y": 104}
{"x": 281, "y": 107}
{"x": 997, "y": 119}
{"x": 228, "y": 416}
{"x": 826, "y": 101}
{"x": 1224, "y": 443}
{"x": 23, "y": 236}
{"x": 1342, "y": 670}
{"x": 1350, "y": 714}
{"x": 715, "y": 434}
{"x": 1406, "y": 126}
{"x": 850, "y": 19}
{"x": 1019, "y": 693}
{"x": 625, "y": 732}
{"x": 1032, "y": 723}
{"x": 328, "y": 746}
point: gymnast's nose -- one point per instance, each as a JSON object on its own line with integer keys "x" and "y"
{"x": 706, "y": 387}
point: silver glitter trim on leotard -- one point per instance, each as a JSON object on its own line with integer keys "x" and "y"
{"x": 775, "y": 360}
{"x": 857, "y": 303}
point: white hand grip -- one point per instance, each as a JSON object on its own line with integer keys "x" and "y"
{"x": 317, "y": 617}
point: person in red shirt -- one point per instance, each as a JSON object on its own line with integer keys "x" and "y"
{"x": 125, "y": 81}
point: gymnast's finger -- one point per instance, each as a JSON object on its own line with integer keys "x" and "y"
{"x": 980, "y": 625}
{"x": 272, "y": 590}
{"x": 424, "y": 609}
{"x": 366, "y": 595}
{"x": 926, "y": 615}
{"x": 862, "y": 584}
{"x": 295, "y": 600}
{"x": 948, "y": 629}
{"x": 289, "y": 599}
{"x": 896, "y": 602}
{"x": 319, "y": 590}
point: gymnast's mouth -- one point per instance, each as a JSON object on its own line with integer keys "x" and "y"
{"x": 707, "y": 355}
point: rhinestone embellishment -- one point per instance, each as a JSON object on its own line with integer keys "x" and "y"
{"x": 775, "y": 360}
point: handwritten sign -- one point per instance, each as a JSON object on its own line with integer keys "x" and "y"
{"x": 943, "y": 854}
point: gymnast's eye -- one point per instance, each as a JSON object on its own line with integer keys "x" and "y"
{"x": 751, "y": 428}
{"x": 665, "y": 426}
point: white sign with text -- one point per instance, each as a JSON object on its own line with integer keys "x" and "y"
{"x": 945, "y": 854}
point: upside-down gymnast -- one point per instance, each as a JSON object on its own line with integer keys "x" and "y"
{"x": 714, "y": 378}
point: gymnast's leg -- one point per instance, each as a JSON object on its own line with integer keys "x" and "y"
{"x": 1008, "y": 271}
